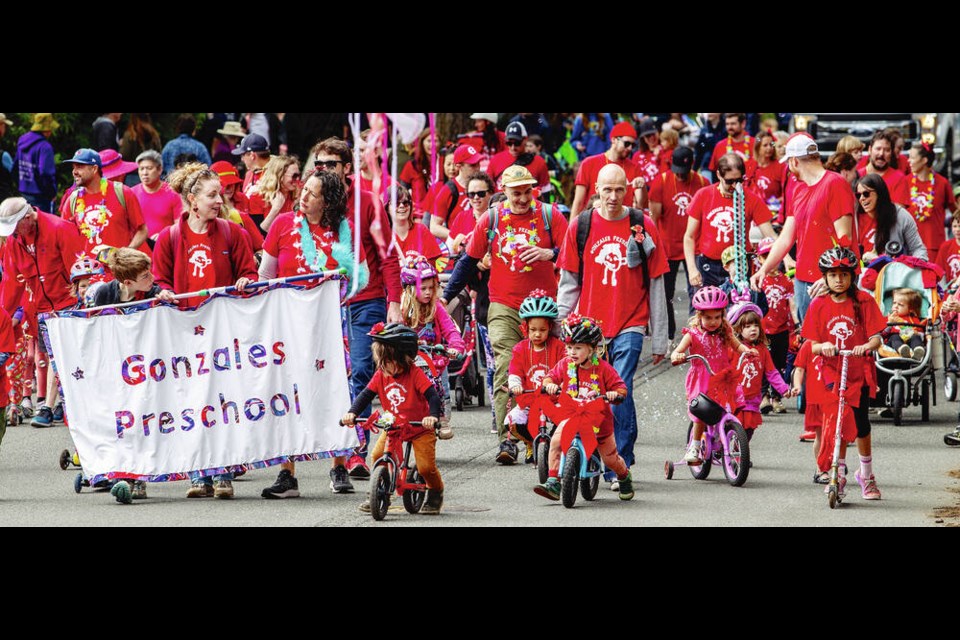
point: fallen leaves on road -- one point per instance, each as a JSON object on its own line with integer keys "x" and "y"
{"x": 942, "y": 514}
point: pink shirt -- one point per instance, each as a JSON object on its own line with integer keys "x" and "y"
{"x": 159, "y": 209}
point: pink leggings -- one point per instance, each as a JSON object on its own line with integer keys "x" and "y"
{"x": 607, "y": 446}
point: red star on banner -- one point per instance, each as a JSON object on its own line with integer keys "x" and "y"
{"x": 320, "y": 364}
{"x": 198, "y": 330}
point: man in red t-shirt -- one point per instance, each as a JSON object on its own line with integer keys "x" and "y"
{"x": 516, "y": 136}
{"x": 820, "y": 209}
{"x": 446, "y": 207}
{"x": 881, "y": 151}
{"x": 622, "y": 287}
{"x": 623, "y": 140}
{"x": 523, "y": 256}
{"x": 737, "y": 140}
{"x": 670, "y": 195}
{"x": 106, "y": 213}
{"x": 254, "y": 150}
{"x": 710, "y": 223}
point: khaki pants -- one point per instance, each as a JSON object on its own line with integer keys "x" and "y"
{"x": 425, "y": 453}
{"x": 504, "y": 325}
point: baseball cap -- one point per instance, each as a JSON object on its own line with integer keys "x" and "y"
{"x": 647, "y": 126}
{"x": 252, "y": 142}
{"x": 516, "y": 131}
{"x": 517, "y": 176}
{"x": 466, "y": 154}
{"x": 85, "y": 156}
{"x": 682, "y": 160}
{"x": 729, "y": 255}
{"x": 800, "y": 145}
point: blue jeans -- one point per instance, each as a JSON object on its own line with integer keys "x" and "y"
{"x": 361, "y": 316}
{"x": 623, "y": 352}
{"x": 801, "y": 294}
{"x": 491, "y": 364}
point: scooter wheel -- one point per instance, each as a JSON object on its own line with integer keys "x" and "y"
{"x": 65, "y": 458}
{"x": 832, "y": 498}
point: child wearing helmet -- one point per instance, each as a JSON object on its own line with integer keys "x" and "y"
{"x": 778, "y": 323}
{"x": 82, "y": 273}
{"x": 729, "y": 286}
{"x": 409, "y": 395}
{"x": 584, "y": 375}
{"x": 532, "y": 360}
{"x": 421, "y": 310}
{"x": 746, "y": 320}
{"x": 846, "y": 319}
{"x": 710, "y": 335}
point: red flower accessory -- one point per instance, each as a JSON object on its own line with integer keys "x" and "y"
{"x": 538, "y": 293}
{"x": 845, "y": 242}
{"x": 638, "y": 233}
{"x": 378, "y": 328}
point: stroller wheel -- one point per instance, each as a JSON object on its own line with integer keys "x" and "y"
{"x": 459, "y": 398}
{"x": 950, "y": 386}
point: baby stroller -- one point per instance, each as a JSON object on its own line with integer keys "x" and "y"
{"x": 907, "y": 382}
{"x": 466, "y": 382}
{"x": 951, "y": 358}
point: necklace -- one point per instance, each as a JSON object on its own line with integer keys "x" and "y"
{"x": 746, "y": 146}
{"x": 513, "y": 245}
{"x": 573, "y": 387}
{"x": 921, "y": 203}
{"x": 90, "y": 226}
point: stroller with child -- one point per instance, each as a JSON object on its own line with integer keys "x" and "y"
{"x": 466, "y": 380}
{"x": 909, "y": 381}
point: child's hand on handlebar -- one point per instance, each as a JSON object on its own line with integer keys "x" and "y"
{"x": 613, "y": 396}
{"x": 828, "y": 349}
{"x": 551, "y": 389}
{"x": 453, "y": 353}
{"x": 861, "y": 349}
{"x": 516, "y": 390}
{"x": 678, "y": 357}
{"x": 430, "y": 422}
{"x": 348, "y": 419}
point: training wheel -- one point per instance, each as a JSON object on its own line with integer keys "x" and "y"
{"x": 668, "y": 470}
{"x": 65, "y": 458}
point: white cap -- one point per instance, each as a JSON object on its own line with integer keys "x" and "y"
{"x": 492, "y": 117}
{"x": 800, "y": 145}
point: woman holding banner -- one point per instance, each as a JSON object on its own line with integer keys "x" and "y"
{"x": 199, "y": 252}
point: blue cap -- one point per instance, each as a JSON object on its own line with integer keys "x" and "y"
{"x": 85, "y": 156}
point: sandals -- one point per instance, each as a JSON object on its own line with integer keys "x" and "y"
{"x": 821, "y": 477}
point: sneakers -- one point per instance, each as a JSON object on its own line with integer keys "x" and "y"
{"x": 626, "y": 487}
{"x": 433, "y": 503}
{"x": 528, "y": 458}
{"x": 508, "y": 453}
{"x": 808, "y": 436}
{"x": 139, "y": 490}
{"x": 58, "y": 413}
{"x": 200, "y": 490}
{"x": 778, "y": 406}
{"x": 918, "y": 353}
{"x": 224, "y": 490}
{"x": 340, "y": 480}
{"x": 445, "y": 433}
{"x": 43, "y": 419}
{"x": 357, "y": 468}
{"x": 905, "y": 351}
{"x": 885, "y": 412}
{"x": 26, "y": 407}
{"x": 765, "y": 405}
{"x": 493, "y": 428}
{"x": 693, "y": 454}
{"x": 952, "y": 439}
{"x": 615, "y": 485}
{"x": 286, "y": 486}
{"x": 549, "y": 489}
{"x": 868, "y": 487}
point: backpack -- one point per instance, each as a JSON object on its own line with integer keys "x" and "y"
{"x": 585, "y": 219}
{"x": 223, "y": 226}
{"x": 455, "y": 200}
{"x": 117, "y": 189}
{"x": 546, "y": 213}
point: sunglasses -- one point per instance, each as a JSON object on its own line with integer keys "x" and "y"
{"x": 732, "y": 181}
{"x": 629, "y": 144}
{"x": 514, "y": 143}
{"x": 328, "y": 164}
{"x": 864, "y": 194}
{"x": 403, "y": 203}
{"x": 477, "y": 194}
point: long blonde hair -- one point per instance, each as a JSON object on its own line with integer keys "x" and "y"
{"x": 725, "y": 331}
{"x": 272, "y": 179}
{"x": 416, "y": 314}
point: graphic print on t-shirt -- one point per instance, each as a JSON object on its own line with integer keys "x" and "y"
{"x": 323, "y": 242}
{"x": 749, "y": 373}
{"x": 511, "y": 245}
{"x": 682, "y": 200}
{"x": 954, "y": 263}
{"x": 721, "y": 219}
{"x": 841, "y": 328}
{"x": 93, "y": 221}
{"x": 775, "y": 294}
{"x": 609, "y": 256}
{"x": 200, "y": 259}
{"x": 536, "y": 374}
{"x": 396, "y": 395}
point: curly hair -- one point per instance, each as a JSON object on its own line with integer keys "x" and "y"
{"x": 189, "y": 179}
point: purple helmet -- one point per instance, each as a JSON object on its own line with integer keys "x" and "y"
{"x": 710, "y": 298}
{"x": 741, "y": 308}
{"x": 415, "y": 269}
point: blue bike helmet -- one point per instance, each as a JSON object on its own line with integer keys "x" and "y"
{"x": 539, "y": 305}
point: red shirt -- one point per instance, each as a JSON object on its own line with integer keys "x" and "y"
{"x": 8, "y": 344}
{"x": 417, "y": 182}
{"x": 766, "y": 182}
{"x": 612, "y": 292}
{"x": 464, "y": 225}
{"x": 504, "y": 160}
{"x": 751, "y": 375}
{"x": 256, "y": 206}
{"x": 403, "y": 395}
{"x": 744, "y": 149}
{"x": 607, "y": 380}
{"x": 816, "y": 209}
{"x": 590, "y": 169}
{"x": 715, "y": 215}
{"x": 648, "y": 164}
{"x": 666, "y": 160}
{"x": 375, "y": 233}
{"x": 444, "y": 200}
{"x": 868, "y": 231}
{"x": 675, "y": 196}
{"x": 941, "y": 194}
{"x": 284, "y": 237}
{"x": 420, "y": 240}
{"x": 948, "y": 257}
{"x": 897, "y": 184}
{"x": 115, "y": 229}
{"x": 159, "y": 209}
{"x": 813, "y": 387}
{"x": 510, "y": 282}
{"x": 779, "y": 290}
{"x": 200, "y": 273}
{"x": 835, "y": 322}
{"x": 533, "y": 366}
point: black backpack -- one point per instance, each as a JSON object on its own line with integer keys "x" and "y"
{"x": 585, "y": 219}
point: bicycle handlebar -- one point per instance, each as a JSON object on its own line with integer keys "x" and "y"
{"x": 365, "y": 420}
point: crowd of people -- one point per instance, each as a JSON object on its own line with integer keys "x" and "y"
{"x": 567, "y": 295}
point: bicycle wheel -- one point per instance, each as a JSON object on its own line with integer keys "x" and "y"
{"x": 589, "y": 486}
{"x": 570, "y": 480}
{"x": 413, "y": 500}
{"x": 380, "y": 492}
{"x": 736, "y": 465}
{"x": 543, "y": 461}
{"x": 699, "y": 472}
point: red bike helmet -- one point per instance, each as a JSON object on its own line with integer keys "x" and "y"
{"x": 710, "y": 298}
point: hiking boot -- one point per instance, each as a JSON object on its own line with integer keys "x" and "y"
{"x": 286, "y": 486}
{"x": 508, "y": 453}
{"x": 626, "y": 487}
{"x": 868, "y": 487}
{"x": 778, "y": 406}
{"x": 58, "y": 413}
{"x": 765, "y": 405}
{"x": 139, "y": 490}
{"x": 549, "y": 489}
{"x": 200, "y": 490}
{"x": 918, "y": 354}
{"x": 340, "y": 480}
{"x": 433, "y": 503}
{"x": 224, "y": 490}
{"x": 357, "y": 468}
{"x": 43, "y": 419}
{"x": 693, "y": 454}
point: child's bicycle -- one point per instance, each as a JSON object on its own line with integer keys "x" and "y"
{"x": 724, "y": 441}
{"x": 541, "y": 441}
{"x": 395, "y": 471}
{"x": 834, "y": 497}
{"x": 67, "y": 459}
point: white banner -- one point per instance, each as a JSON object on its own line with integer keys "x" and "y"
{"x": 160, "y": 393}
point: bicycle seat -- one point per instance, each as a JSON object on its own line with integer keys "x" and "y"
{"x": 706, "y": 410}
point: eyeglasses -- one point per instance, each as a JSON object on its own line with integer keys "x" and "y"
{"x": 477, "y": 194}
{"x": 514, "y": 143}
{"x": 732, "y": 181}
{"x": 629, "y": 144}
{"x": 865, "y": 194}
{"x": 327, "y": 164}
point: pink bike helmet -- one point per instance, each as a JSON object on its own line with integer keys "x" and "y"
{"x": 764, "y": 247}
{"x": 710, "y": 298}
{"x": 85, "y": 267}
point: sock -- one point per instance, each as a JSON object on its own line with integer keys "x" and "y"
{"x": 554, "y": 474}
{"x": 866, "y": 467}
{"x": 41, "y": 402}
{"x": 842, "y": 463}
